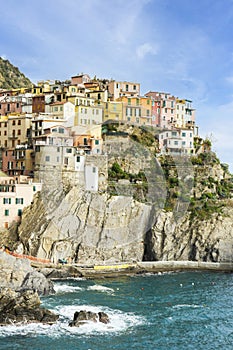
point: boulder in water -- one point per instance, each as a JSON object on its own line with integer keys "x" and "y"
{"x": 83, "y": 316}
{"x": 23, "y": 307}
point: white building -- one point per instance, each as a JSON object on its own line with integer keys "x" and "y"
{"x": 177, "y": 141}
{"x": 91, "y": 178}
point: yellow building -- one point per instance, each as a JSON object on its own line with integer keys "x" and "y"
{"x": 14, "y": 130}
{"x": 136, "y": 110}
{"x": 88, "y": 115}
{"x": 113, "y": 110}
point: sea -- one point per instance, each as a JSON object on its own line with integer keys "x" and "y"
{"x": 165, "y": 311}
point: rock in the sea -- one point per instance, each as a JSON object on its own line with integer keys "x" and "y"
{"x": 23, "y": 307}
{"x": 83, "y": 316}
{"x": 18, "y": 274}
{"x": 103, "y": 317}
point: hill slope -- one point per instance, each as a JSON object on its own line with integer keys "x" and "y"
{"x": 11, "y": 77}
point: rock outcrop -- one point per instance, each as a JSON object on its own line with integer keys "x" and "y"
{"x": 83, "y": 316}
{"x": 23, "y": 307}
{"x": 18, "y": 274}
{"x": 184, "y": 212}
{"x": 95, "y": 228}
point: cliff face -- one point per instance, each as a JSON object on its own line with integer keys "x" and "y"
{"x": 160, "y": 208}
{"x": 92, "y": 228}
{"x": 86, "y": 227}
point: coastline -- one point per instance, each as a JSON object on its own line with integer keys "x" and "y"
{"x": 127, "y": 268}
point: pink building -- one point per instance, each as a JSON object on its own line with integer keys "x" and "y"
{"x": 15, "y": 195}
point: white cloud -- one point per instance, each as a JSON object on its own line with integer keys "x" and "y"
{"x": 229, "y": 79}
{"x": 146, "y": 49}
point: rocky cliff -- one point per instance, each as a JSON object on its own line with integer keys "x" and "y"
{"x": 96, "y": 228}
{"x": 20, "y": 286}
{"x": 185, "y": 212}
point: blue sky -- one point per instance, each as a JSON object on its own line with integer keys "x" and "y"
{"x": 184, "y": 47}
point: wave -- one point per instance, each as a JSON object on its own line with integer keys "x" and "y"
{"x": 181, "y": 306}
{"x": 100, "y": 288}
{"x": 65, "y": 288}
{"x": 119, "y": 322}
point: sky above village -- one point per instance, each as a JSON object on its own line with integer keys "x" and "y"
{"x": 184, "y": 47}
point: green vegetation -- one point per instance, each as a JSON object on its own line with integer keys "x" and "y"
{"x": 116, "y": 173}
{"x": 11, "y": 77}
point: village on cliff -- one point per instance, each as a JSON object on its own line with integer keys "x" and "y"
{"x": 63, "y": 125}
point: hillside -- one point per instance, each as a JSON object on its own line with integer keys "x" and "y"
{"x": 178, "y": 208}
{"x": 11, "y": 77}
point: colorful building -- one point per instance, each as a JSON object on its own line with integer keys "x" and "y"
{"x": 118, "y": 89}
{"x": 15, "y": 195}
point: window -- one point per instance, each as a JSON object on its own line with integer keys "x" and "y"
{"x": 174, "y": 133}
{"x": 165, "y": 110}
{"x": 129, "y": 101}
{"x": 94, "y": 169}
{"x": 47, "y": 158}
{"x": 137, "y": 120}
{"x": 34, "y": 188}
{"x": 191, "y": 134}
{"x": 78, "y": 159}
{"x": 6, "y": 200}
{"x": 19, "y": 132}
{"x": 134, "y": 87}
{"x": 175, "y": 142}
{"x": 148, "y": 102}
{"x": 66, "y": 160}
{"x": 97, "y": 111}
{"x": 20, "y": 212}
{"x": 61, "y": 131}
{"x": 172, "y": 111}
{"x": 18, "y": 200}
{"x": 6, "y": 212}
{"x": 5, "y": 132}
{"x": 58, "y": 159}
{"x": 147, "y": 112}
{"x": 69, "y": 150}
{"x": 13, "y": 122}
{"x": 96, "y": 142}
{"x": 85, "y": 141}
{"x": 183, "y": 134}
{"x": 127, "y": 87}
{"x": 117, "y": 86}
{"x": 183, "y": 143}
{"x": 58, "y": 149}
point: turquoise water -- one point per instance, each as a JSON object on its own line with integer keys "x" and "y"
{"x": 165, "y": 311}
